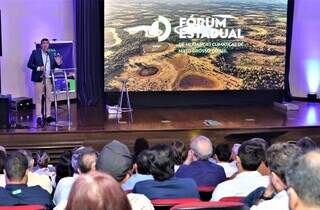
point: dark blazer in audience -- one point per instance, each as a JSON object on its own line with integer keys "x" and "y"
{"x": 171, "y": 188}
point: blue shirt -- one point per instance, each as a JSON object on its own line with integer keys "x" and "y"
{"x": 203, "y": 172}
{"x": 170, "y": 188}
{"x": 21, "y": 194}
{"x": 134, "y": 179}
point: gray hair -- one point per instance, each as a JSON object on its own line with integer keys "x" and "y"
{"x": 303, "y": 176}
{"x": 279, "y": 155}
{"x": 200, "y": 152}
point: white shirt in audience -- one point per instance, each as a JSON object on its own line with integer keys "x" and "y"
{"x": 243, "y": 184}
{"x": 229, "y": 168}
{"x": 63, "y": 189}
{"x": 279, "y": 202}
{"x": 139, "y": 202}
{"x": 2, "y": 180}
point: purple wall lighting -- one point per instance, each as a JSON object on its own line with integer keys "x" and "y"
{"x": 313, "y": 75}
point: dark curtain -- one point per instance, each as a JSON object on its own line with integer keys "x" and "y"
{"x": 89, "y": 20}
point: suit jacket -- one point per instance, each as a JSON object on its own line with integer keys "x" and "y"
{"x": 35, "y": 61}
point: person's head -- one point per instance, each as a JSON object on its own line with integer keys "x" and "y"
{"x": 64, "y": 168}
{"x": 250, "y": 156}
{"x": 222, "y": 152}
{"x": 180, "y": 152}
{"x": 143, "y": 162}
{"x": 15, "y": 166}
{"x": 3, "y": 149}
{"x": 75, "y": 158}
{"x": 42, "y": 158}
{"x": 161, "y": 162}
{"x": 97, "y": 190}
{"x": 201, "y": 147}
{"x": 303, "y": 181}
{"x": 2, "y": 160}
{"x": 139, "y": 145}
{"x": 306, "y": 144}
{"x": 278, "y": 157}
{"x": 29, "y": 157}
{"x": 87, "y": 160}
{"x": 116, "y": 160}
{"x": 44, "y": 44}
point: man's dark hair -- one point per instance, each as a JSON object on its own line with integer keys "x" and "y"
{"x": 278, "y": 157}
{"x": 84, "y": 160}
{"x": 180, "y": 152}
{"x": 251, "y": 153}
{"x": 16, "y": 165}
{"x": 264, "y": 144}
{"x": 161, "y": 162}
{"x": 306, "y": 144}
{"x": 2, "y": 160}
{"x": 303, "y": 176}
{"x": 44, "y": 40}
{"x": 64, "y": 167}
{"x": 223, "y": 152}
{"x": 143, "y": 162}
{"x": 139, "y": 145}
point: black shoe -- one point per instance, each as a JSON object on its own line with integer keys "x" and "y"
{"x": 39, "y": 121}
{"x": 50, "y": 119}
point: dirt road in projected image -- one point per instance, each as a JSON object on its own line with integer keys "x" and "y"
{"x": 256, "y": 61}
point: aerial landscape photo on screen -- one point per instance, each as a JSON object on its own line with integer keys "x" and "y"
{"x": 195, "y": 45}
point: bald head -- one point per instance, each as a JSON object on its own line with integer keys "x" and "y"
{"x": 202, "y": 147}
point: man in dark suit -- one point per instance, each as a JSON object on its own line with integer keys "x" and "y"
{"x": 42, "y": 62}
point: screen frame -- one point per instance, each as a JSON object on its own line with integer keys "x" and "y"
{"x": 214, "y": 97}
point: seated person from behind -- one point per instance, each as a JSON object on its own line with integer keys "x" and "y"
{"x": 16, "y": 191}
{"x": 165, "y": 185}
{"x": 97, "y": 191}
{"x": 303, "y": 180}
{"x": 34, "y": 178}
{"x": 180, "y": 153}
{"x": 275, "y": 196}
{"x": 142, "y": 171}
{"x": 197, "y": 165}
{"x": 222, "y": 153}
{"x": 248, "y": 179}
{"x": 116, "y": 160}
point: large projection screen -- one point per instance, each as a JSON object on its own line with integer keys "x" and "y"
{"x": 195, "y": 45}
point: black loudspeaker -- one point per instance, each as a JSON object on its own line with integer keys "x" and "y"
{"x": 5, "y": 112}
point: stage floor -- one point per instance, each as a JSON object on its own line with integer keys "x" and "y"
{"x": 90, "y": 126}
{"x": 146, "y": 119}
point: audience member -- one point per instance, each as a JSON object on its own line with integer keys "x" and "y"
{"x": 263, "y": 168}
{"x": 222, "y": 153}
{"x": 116, "y": 160}
{"x": 275, "y": 195}
{"x": 16, "y": 191}
{"x": 43, "y": 159}
{"x": 198, "y": 167}
{"x": 180, "y": 153}
{"x": 165, "y": 185}
{"x": 140, "y": 145}
{"x": 63, "y": 188}
{"x": 303, "y": 180}
{"x": 96, "y": 190}
{"x": 64, "y": 167}
{"x": 142, "y": 172}
{"x": 36, "y": 179}
{"x": 249, "y": 158}
{"x": 306, "y": 144}
{"x": 2, "y": 176}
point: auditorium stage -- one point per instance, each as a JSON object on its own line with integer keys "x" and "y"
{"x": 90, "y": 126}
